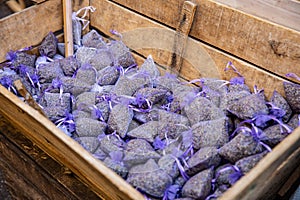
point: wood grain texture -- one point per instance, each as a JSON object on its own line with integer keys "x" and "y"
{"x": 72, "y": 186}
{"x": 16, "y": 184}
{"x": 50, "y": 139}
{"x": 136, "y": 34}
{"x": 29, "y": 27}
{"x": 292, "y": 181}
{"x": 21, "y": 172}
{"x": 180, "y": 40}
{"x": 265, "y": 44}
{"x": 284, "y": 12}
{"x": 68, "y": 29}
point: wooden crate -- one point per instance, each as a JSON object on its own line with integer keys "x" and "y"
{"x": 31, "y": 146}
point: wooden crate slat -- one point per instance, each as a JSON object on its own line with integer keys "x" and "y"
{"x": 30, "y": 26}
{"x": 292, "y": 181}
{"x": 284, "y": 12}
{"x": 15, "y": 183}
{"x": 28, "y": 173}
{"x": 74, "y": 186}
{"x": 111, "y": 16}
{"x": 50, "y": 139}
{"x": 270, "y": 46}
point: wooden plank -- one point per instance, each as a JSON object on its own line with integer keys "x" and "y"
{"x": 29, "y": 27}
{"x": 16, "y": 163}
{"x": 265, "y": 44}
{"x": 284, "y": 12}
{"x": 290, "y": 182}
{"x": 50, "y": 139}
{"x": 4, "y": 188}
{"x": 17, "y": 187}
{"x": 200, "y": 59}
{"x": 68, "y": 29}
{"x": 182, "y": 31}
{"x": 268, "y": 189}
{"x": 269, "y": 173}
{"x": 69, "y": 182}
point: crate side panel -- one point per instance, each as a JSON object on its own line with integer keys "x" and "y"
{"x": 278, "y": 179}
{"x": 284, "y": 12}
{"x": 17, "y": 187}
{"x": 66, "y": 180}
{"x": 27, "y": 172}
{"x": 265, "y": 44}
{"x": 111, "y": 16}
{"x": 5, "y": 189}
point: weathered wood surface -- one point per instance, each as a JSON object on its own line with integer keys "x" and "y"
{"x": 64, "y": 149}
{"x": 17, "y": 184}
{"x": 26, "y": 179}
{"x": 199, "y": 61}
{"x": 30, "y": 26}
{"x": 294, "y": 180}
{"x": 284, "y": 12}
{"x": 4, "y": 187}
{"x": 59, "y": 181}
{"x": 181, "y": 36}
{"x": 68, "y": 28}
{"x": 265, "y": 44}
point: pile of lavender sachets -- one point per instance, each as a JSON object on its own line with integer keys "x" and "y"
{"x": 167, "y": 138}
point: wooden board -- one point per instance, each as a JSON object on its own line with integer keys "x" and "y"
{"x": 284, "y": 12}
{"x": 270, "y": 46}
{"x": 291, "y": 184}
{"x": 27, "y": 179}
{"x": 111, "y": 16}
{"x": 64, "y": 149}
{"x": 59, "y": 180}
{"x": 29, "y": 27}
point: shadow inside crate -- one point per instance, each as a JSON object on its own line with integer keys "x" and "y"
{"x": 4, "y": 193}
